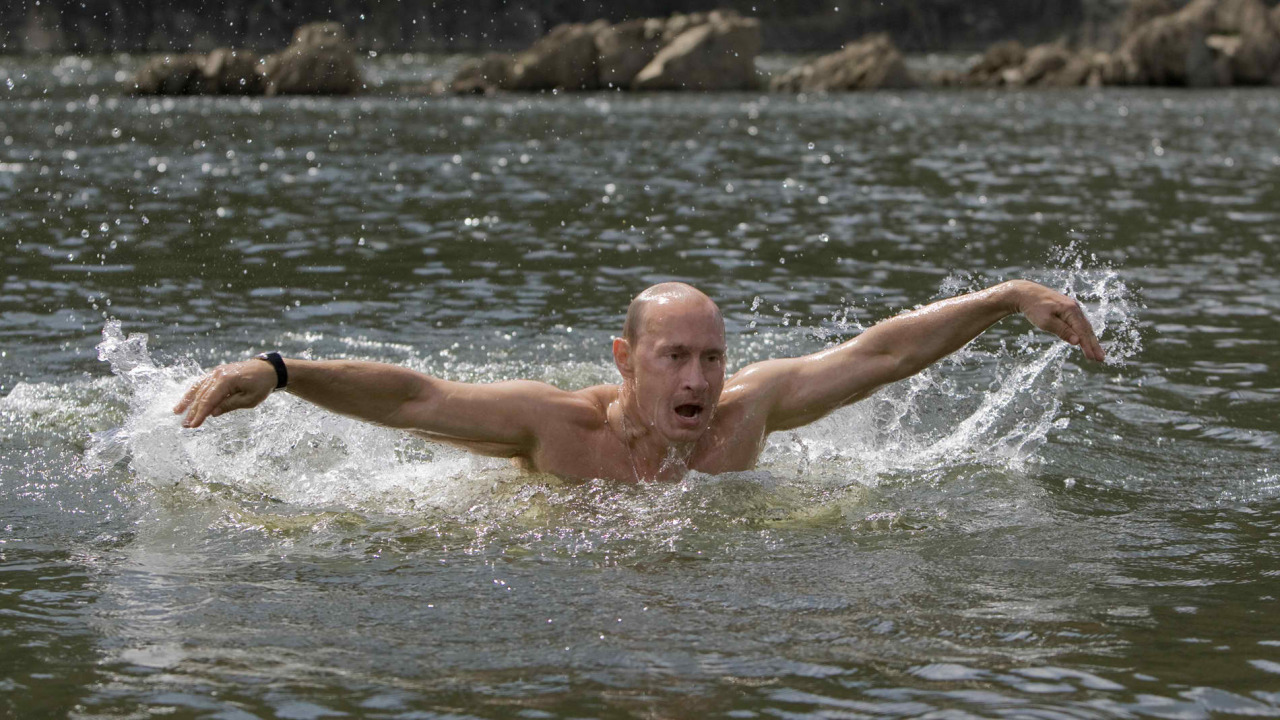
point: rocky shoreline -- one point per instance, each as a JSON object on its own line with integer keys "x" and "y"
{"x": 320, "y": 61}
{"x": 1205, "y": 43}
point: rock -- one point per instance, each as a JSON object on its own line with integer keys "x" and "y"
{"x": 1207, "y": 43}
{"x": 1244, "y": 32}
{"x": 483, "y": 75}
{"x": 699, "y": 51}
{"x": 624, "y": 49}
{"x": 871, "y": 63}
{"x": 564, "y": 58}
{"x": 678, "y": 23}
{"x": 1044, "y": 61}
{"x": 320, "y": 61}
{"x": 718, "y": 54}
{"x": 233, "y": 72}
{"x": 1083, "y": 69}
{"x": 1140, "y": 12}
{"x": 171, "y": 75}
{"x": 990, "y": 69}
{"x": 1009, "y": 64}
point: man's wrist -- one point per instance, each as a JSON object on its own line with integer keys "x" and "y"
{"x": 1009, "y": 295}
{"x": 277, "y": 362}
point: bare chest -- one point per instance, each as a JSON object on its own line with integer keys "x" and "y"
{"x": 729, "y": 445}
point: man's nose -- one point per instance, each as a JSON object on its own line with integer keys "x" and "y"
{"x": 694, "y": 379}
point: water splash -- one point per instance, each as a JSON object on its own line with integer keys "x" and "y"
{"x": 993, "y": 408}
{"x": 286, "y": 450}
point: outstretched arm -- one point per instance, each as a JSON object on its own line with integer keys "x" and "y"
{"x": 797, "y": 391}
{"x": 501, "y": 417}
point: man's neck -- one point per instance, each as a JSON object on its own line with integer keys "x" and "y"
{"x": 652, "y": 457}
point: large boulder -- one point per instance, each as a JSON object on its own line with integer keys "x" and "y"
{"x": 623, "y": 50}
{"x": 1042, "y": 61}
{"x": 564, "y": 58}
{"x": 697, "y": 51}
{"x": 177, "y": 74}
{"x": 992, "y": 68}
{"x": 1140, "y": 12}
{"x": 233, "y": 72}
{"x": 678, "y": 23}
{"x": 320, "y": 61}
{"x": 1009, "y": 64}
{"x": 483, "y": 75}
{"x": 1207, "y": 43}
{"x": 871, "y": 63}
{"x": 1083, "y": 69}
{"x": 718, "y": 54}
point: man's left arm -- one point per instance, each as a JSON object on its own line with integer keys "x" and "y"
{"x": 798, "y": 391}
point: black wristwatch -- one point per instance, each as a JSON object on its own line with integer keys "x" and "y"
{"x": 277, "y": 362}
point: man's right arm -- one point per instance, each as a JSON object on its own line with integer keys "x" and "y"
{"x": 798, "y": 391}
{"x": 503, "y": 415}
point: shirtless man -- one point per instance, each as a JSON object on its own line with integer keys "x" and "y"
{"x": 674, "y": 410}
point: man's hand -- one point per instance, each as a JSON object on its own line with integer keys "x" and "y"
{"x": 228, "y": 387}
{"x": 1056, "y": 313}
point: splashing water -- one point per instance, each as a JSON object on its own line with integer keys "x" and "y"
{"x": 991, "y": 408}
{"x": 287, "y": 450}
{"x": 998, "y": 417}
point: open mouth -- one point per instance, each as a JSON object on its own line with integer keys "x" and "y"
{"x": 689, "y": 410}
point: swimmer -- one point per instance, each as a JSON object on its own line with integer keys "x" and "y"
{"x": 673, "y": 412}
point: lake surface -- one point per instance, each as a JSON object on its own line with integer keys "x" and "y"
{"x": 1016, "y": 532}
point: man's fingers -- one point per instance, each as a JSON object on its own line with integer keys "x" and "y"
{"x": 1092, "y": 348}
{"x": 191, "y": 400}
{"x": 1088, "y": 340}
{"x": 187, "y": 397}
{"x": 1056, "y": 325}
{"x": 206, "y": 400}
{"x": 1083, "y": 331}
{"x": 226, "y": 388}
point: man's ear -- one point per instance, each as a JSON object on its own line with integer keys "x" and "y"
{"x": 622, "y": 357}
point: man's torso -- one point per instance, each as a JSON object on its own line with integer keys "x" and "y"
{"x": 578, "y": 440}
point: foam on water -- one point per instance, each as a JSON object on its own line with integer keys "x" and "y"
{"x": 989, "y": 407}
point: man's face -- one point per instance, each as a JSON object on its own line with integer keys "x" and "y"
{"x": 678, "y": 363}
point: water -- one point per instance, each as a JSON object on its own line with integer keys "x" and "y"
{"x": 1014, "y": 533}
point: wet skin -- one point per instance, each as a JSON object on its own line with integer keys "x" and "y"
{"x": 674, "y": 410}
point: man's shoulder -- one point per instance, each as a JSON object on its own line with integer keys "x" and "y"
{"x": 587, "y": 406}
{"x": 594, "y": 400}
{"x": 756, "y": 379}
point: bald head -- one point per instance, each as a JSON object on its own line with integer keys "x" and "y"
{"x": 664, "y": 294}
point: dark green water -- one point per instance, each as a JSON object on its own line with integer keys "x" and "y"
{"x": 1015, "y": 533}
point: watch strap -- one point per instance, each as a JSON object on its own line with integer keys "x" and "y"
{"x": 277, "y": 362}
